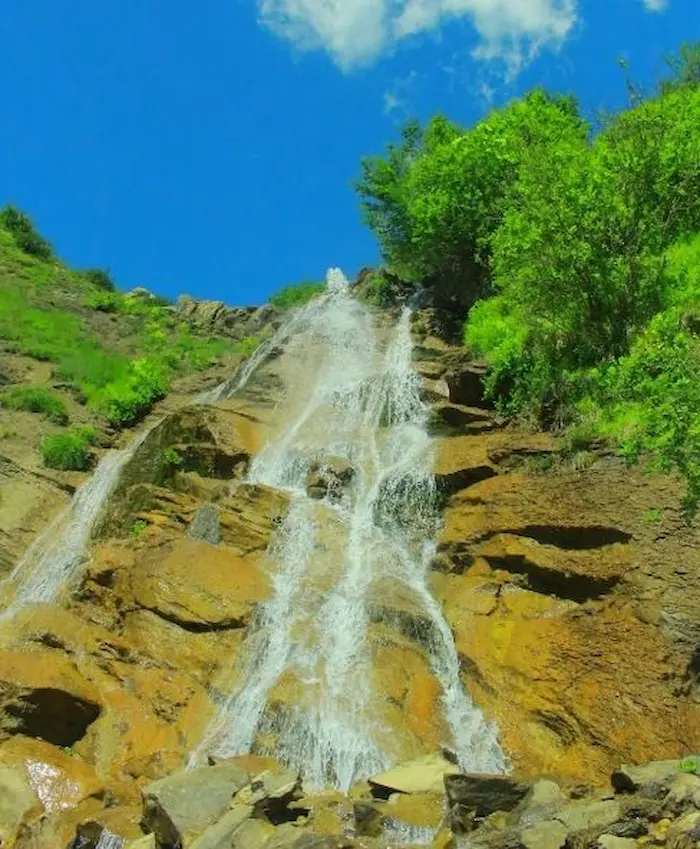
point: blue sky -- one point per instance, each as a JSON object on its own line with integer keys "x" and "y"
{"x": 210, "y": 148}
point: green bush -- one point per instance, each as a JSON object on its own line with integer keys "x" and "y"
{"x": 103, "y": 301}
{"x": 124, "y": 401}
{"x": 36, "y": 399}
{"x": 25, "y": 235}
{"x": 296, "y": 295}
{"x": 100, "y": 279}
{"x": 69, "y": 450}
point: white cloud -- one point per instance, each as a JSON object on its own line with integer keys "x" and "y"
{"x": 397, "y": 98}
{"x": 655, "y": 5}
{"x": 358, "y": 32}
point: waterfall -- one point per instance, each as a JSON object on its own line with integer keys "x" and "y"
{"x": 354, "y": 400}
{"x": 60, "y": 550}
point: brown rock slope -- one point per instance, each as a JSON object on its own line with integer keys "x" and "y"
{"x": 573, "y": 597}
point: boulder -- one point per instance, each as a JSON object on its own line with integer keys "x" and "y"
{"x": 252, "y": 834}
{"x": 484, "y": 794}
{"x": 56, "y": 778}
{"x": 198, "y": 586}
{"x": 549, "y": 834}
{"x": 466, "y": 384}
{"x": 195, "y": 799}
{"x": 586, "y": 816}
{"x": 43, "y": 695}
{"x": 422, "y": 775}
{"x": 651, "y": 776}
{"x": 329, "y": 478}
{"x": 220, "y": 835}
{"x": 610, "y": 841}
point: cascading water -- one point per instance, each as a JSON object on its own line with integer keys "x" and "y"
{"x": 355, "y": 402}
{"x": 52, "y": 560}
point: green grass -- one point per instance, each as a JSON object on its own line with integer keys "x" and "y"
{"x": 68, "y": 450}
{"x": 296, "y": 295}
{"x": 36, "y": 399}
{"x": 119, "y": 366}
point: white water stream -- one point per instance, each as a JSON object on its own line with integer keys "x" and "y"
{"x": 353, "y": 400}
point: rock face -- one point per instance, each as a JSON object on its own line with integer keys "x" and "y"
{"x": 215, "y": 316}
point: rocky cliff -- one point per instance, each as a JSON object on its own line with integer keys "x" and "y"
{"x": 567, "y": 582}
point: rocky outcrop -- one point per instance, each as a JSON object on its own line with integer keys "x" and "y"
{"x": 215, "y": 317}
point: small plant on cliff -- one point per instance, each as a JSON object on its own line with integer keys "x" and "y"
{"x": 138, "y": 528}
{"x": 691, "y": 764}
{"x": 36, "y": 399}
{"x": 69, "y": 450}
{"x": 100, "y": 279}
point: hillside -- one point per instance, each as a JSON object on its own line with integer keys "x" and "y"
{"x": 80, "y": 362}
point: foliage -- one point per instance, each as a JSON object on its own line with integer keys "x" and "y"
{"x": 448, "y": 189}
{"x": 36, "y": 399}
{"x": 296, "y": 295}
{"x": 69, "y": 449}
{"x": 576, "y": 253}
{"x": 691, "y": 764}
{"x": 172, "y": 457}
{"x": 138, "y": 527}
{"x": 24, "y": 233}
{"x": 100, "y": 279}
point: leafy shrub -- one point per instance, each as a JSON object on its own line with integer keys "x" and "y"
{"x": 125, "y": 400}
{"x": 103, "y": 301}
{"x": 296, "y": 295}
{"x": 248, "y": 345}
{"x": 36, "y": 399}
{"x": 69, "y": 450}
{"x": 24, "y": 233}
{"x": 100, "y": 279}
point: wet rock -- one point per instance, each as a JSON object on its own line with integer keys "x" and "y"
{"x": 484, "y": 794}
{"x": 43, "y": 695}
{"x": 368, "y": 820}
{"x": 329, "y": 478}
{"x": 543, "y": 800}
{"x": 195, "y": 799}
{"x": 270, "y": 794}
{"x": 206, "y": 524}
{"x": 18, "y": 802}
{"x": 423, "y": 775}
{"x": 199, "y": 587}
{"x": 93, "y": 835}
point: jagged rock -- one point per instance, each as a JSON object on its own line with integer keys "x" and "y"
{"x": 466, "y": 384}
{"x": 199, "y": 587}
{"x": 422, "y": 775}
{"x": 195, "y": 799}
{"x": 630, "y": 778}
{"x": 157, "y": 820}
{"x": 221, "y": 834}
{"x": 329, "y": 478}
{"x": 368, "y": 820}
{"x": 206, "y": 524}
{"x": 93, "y": 835}
{"x": 542, "y": 801}
{"x": 484, "y": 794}
{"x": 140, "y": 293}
{"x": 684, "y": 833}
{"x": 270, "y": 793}
{"x": 216, "y": 317}
{"x": 43, "y": 695}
